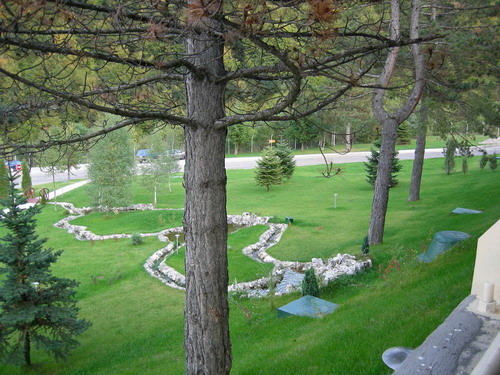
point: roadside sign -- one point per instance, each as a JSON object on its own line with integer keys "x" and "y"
{"x": 272, "y": 141}
{"x": 18, "y": 167}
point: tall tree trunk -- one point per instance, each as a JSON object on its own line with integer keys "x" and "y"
{"x": 418, "y": 161}
{"x": 382, "y": 182}
{"x": 207, "y": 344}
{"x": 390, "y": 122}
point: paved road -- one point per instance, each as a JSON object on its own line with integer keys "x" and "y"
{"x": 38, "y": 177}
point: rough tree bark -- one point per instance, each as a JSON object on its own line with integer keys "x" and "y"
{"x": 207, "y": 344}
{"x": 418, "y": 161}
{"x": 390, "y": 121}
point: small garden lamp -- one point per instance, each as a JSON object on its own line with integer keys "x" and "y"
{"x": 177, "y": 242}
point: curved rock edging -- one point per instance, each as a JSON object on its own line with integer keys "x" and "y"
{"x": 285, "y": 277}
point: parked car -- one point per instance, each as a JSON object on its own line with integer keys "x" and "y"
{"x": 143, "y": 155}
{"x": 12, "y": 164}
{"x": 177, "y": 154}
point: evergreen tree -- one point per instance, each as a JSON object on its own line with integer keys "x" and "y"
{"x": 4, "y": 183}
{"x": 493, "y": 162}
{"x": 449, "y": 156}
{"x": 26, "y": 178}
{"x": 268, "y": 170}
{"x": 111, "y": 171}
{"x": 404, "y": 134}
{"x": 35, "y": 306}
{"x": 372, "y": 165}
{"x": 365, "y": 246}
{"x": 284, "y": 153}
{"x": 310, "y": 284}
{"x": 484, "y": 160}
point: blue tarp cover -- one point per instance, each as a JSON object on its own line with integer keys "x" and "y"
{"x": 307, "y": 306}
{"x": 441, "y": 242}
{"x": 459, "y": 210}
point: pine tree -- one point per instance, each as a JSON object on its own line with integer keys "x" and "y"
{"x": 310, "y": 284}
{"x": 365, "y": 246}
{"x": 372, "y": 165}
{"x": 284, "y": 153}
{"x": 268, "y": 170}
{"x": 484, "y": 160}
{"x": 493, "y": 162}
{"x": 35, "y": 306}
{"x": 404, "y": 134}
{"x": 26, "y": 178}
{"x": 4, "y": 183}
{"x": 449, "y": 156}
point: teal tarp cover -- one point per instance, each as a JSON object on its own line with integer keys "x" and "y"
{"x": 459, "y": 210}
{"x": 441, "y": 242}
{"x": 307, "y": 306}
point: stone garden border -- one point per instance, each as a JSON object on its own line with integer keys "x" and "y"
{"x": 342, "y": 264}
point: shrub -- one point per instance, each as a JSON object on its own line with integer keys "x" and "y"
{"x": 365, "y": 247}
{"x": 449, "y": 156}
{"x": 310, "y": 284}
{"x": 493, "y": 162}
{"x": 136, "y": 239}
{"x": 372, "y": 165}
{"x": 484, "y": 160}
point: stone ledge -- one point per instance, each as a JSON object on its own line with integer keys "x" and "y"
{"x": 456, "y": 346}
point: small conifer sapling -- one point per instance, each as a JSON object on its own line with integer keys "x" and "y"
{"x": 36, "y": 308}
{"x": 310, "y": 284}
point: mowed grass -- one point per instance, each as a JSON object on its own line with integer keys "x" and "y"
{"x": 130, "y": 222}
{"x": 140, "y": 193}
{"x": 241, "y": 268}
{"x": 138, "y": 322}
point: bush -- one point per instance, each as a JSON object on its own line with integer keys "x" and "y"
{"x": 136, "y": 239}
{"x": 365, "y": 247}
{"x": 493, "y": 162}
{"x": 484, "y": 160}
{"x": 310, "y": 284}
{"x": 371, "y": 166}
{"x": 449, "y": 156}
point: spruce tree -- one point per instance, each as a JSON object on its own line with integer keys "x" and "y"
{"x": 310, "y": 284}
{"x": 35, "y": 306}
{"x": 372, "y": 165}
{"x": 449, "y": 156}
{"x": 493, "y": 162}
{"x": 4, "y": 183}
{"x": 365, "y": 246}
{"x": 26, "y": 178}
{"x": 284, "y": 153}
{"x": 268, "y": 170}
{"x": 484, "y": 160}
{"x": 404, "y": 134}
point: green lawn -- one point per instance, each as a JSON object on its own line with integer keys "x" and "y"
{"x": 175, "y": 199}
{"x": 138, "y": 322}
{"x": 58, "y": 185}
{"x": 241, "y": 267}
{"x": 131, "y": 222}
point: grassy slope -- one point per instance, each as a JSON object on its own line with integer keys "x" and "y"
{"x": 240, "y": 267}
{"x": 131, "y": 222}
{"x": 138, "y": 323}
